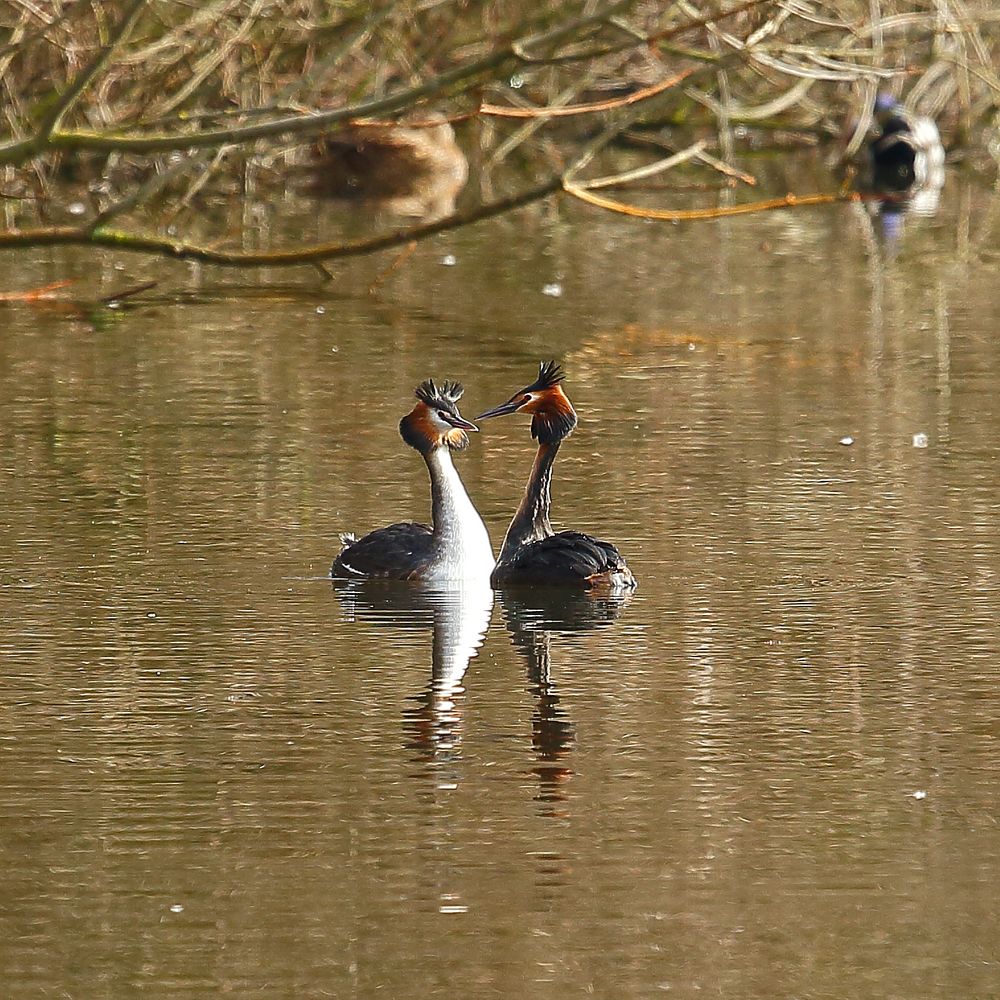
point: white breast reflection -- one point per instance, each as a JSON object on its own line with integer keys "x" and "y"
{"x": 458, "y": 619}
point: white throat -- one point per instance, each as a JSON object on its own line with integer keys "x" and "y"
{"x": 461, "y": 541}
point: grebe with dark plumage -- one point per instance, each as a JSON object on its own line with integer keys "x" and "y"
{"x": 532, "y": 553}
{"x": 457, "y": 548}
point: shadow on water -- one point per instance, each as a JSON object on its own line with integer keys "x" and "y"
{"x": 532, "y": 617}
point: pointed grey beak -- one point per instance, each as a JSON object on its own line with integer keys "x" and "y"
{"x": 461, "y": 422}
{"x": 510, "y": 406}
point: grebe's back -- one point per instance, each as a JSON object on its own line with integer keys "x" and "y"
{"x": 566, "y": 559}
{"x": 397, "y": 552}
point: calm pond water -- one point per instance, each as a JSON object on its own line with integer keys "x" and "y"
{"x": 773, "y": 773}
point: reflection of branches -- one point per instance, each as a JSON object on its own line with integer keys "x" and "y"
{"x": 116, "y": 240}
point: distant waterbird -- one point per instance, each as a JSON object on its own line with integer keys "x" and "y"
{"x": 906, "y": 156}
{"x": 532, "y": 553}
{"x": 416, "y": 170}
{"x": 456, "y": 549}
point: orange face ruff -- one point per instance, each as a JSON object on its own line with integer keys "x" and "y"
{"x": 553, "y": 416}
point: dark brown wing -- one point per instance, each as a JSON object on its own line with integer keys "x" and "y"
{"x": 567, "y": 559}
{"x": 398, "y": 552}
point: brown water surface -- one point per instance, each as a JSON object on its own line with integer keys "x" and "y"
{"x": 773, "y": 773}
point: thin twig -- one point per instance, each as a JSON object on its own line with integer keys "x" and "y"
{"x": 72, "y": 93}
{"x": 403, "y": 255}
{"x": 641, "y": 173}
{"x": 35, "y": 294}
{"x": 725, "y": 168}
{"x": 586, "y": 109}
{"x": 127, "y": 292}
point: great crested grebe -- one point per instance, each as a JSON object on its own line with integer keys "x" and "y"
{"x": 532, "y": 554}
{"x": 458, "y": 547}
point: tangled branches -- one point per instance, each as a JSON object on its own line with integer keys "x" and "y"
{"x": 138, "y": 113}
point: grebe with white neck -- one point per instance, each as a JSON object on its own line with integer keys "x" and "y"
{"x": 456, "y": 549}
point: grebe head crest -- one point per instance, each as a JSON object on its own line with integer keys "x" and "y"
{"x": 435, "y": 421}
{"x": 552, "y": 414}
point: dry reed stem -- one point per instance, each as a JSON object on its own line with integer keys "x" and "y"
{"x": 719, "y": 212}
{"x": 586, "y": 109}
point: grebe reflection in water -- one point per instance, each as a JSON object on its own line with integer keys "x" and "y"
{"x": 458, "y": 618}
{"x": 532, "y": 618}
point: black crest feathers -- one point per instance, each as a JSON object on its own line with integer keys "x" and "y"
{"x": 557, "y": 420}
{"x": 443, "y": 397}
{"x": 418, "y": 433}
{"x": 549, "y": 374}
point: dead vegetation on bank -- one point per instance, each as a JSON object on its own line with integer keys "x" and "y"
{"x": 123, "y": 120}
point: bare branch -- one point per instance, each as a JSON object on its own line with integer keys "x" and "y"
{"x": 113, "y": 239}
{"x": 721, "y": 211}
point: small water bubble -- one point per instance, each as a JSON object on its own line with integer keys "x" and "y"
{"x": 449, "y": 260}
{"x": 921, "y": 440}
{"x": 150, "y": 614}
{"x": 919, "y": 794}
{"x": 76, "y": 208}
{"x": 176, "y": 908}
{"x": 553, "y": 289}
{"x": 847, "y": 441}
{"x": 517, "y": 81}
{"x": 114, "y": 305}
{"x": 320, "y": 310}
